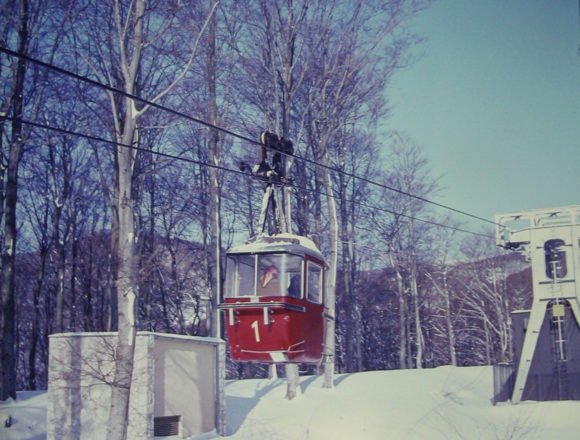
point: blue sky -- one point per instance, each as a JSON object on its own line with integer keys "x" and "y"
{"x": 493, "y": 98}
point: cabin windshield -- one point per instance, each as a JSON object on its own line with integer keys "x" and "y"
{"x": 315, "y": 280}
{"x": 264, "y": 275}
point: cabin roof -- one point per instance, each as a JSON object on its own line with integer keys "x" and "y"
{"x": 295, "y": 244}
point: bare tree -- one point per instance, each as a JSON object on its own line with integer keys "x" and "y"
{"x": 38, "y": 215}
{"x": 345, "y": 85}
{"x": 357, "y": 155}
{"x": 12, "y": 154}
{"x": 311, "y": 80}
{"x": 128, "y": 50}
{"x": 439, "y": 275}
{"x": 215, "y": 255}
{"x": 276, "y": 72}
{"x": 404, "y": 237}
{"x": 25, "y": 21}
{"x": 485, "y": 302}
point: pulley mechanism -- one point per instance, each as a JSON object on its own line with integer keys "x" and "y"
{"x": 275, "y": 171}
{"x": 276, "y": 175}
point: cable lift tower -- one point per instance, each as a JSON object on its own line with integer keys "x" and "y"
{"x": 550, "y": 240}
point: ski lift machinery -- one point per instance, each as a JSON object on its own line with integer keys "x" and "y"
{"x": 550, "y": 239}
{"x": 273, "y": 302}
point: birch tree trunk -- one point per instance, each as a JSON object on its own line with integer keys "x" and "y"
{"x": 58, "y": 243}
{"x": 215, "y": 258}
{"x": 126, "y": 288}
{"x": 330, "y": 302}
{"x": 124, "y": 238}
{"x": 445, "y": 292}
{"x": 43, "y": 254}
{"x": 403, "y": 334}
{"x": 14, "y": 155}
{"x": 350, "y": 303}
{"x": 449, "y": 321}
{"x": 129, "y": 22}
{"x": 419, "y": 341}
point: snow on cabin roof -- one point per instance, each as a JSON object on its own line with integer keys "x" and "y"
{"x": 278, "y": 243}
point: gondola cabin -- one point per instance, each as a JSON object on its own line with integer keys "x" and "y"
{"x": 274, "y": 300}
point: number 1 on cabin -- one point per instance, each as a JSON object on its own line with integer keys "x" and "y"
{"x": 256, "y": 330}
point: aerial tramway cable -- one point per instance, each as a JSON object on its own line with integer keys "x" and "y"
{"x": 228, "y": 170}
{"x": 231, "y": 133}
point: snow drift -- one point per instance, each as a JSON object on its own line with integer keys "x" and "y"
{"x": 441, "y": 403}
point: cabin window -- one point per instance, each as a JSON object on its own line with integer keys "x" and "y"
{"x": 293, "y": 276}
{"x": 314, "y": 282}
{"x": 269, "y": 275}
{"x": 246, "y": 275}
{"x": 279, "y": 275}
{"x": 230, "y": 277}
{"x": 264, "y": 275}
{"x": 240, "y": 276}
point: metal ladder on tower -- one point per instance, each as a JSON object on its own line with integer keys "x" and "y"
{"x": 559, "y": 336}
{"x": 560, "y": 352}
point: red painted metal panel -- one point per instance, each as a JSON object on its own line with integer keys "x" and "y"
{"x": 291, "y": 327}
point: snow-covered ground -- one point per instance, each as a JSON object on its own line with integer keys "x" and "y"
{"x": 442, "y": 403}
{"x": 27, "y": 417}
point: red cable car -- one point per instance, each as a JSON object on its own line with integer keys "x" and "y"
{"x": 274, "y": 293}
{"x": 274, "y": 300}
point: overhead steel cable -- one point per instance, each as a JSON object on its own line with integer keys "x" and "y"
{"x": 236, "y": 135}
{"x": 401, "y": 214}
{"x": 114, "y": 143}
{"x": 225, "y": 169}
{"x": 126, "y": 94}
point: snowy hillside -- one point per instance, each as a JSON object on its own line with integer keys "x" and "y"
{"x": 443, "y": 403}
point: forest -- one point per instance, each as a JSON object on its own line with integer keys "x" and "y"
{"x": 123, "y": 127}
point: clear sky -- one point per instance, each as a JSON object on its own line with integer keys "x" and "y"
{"x": 493, "y": 98}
